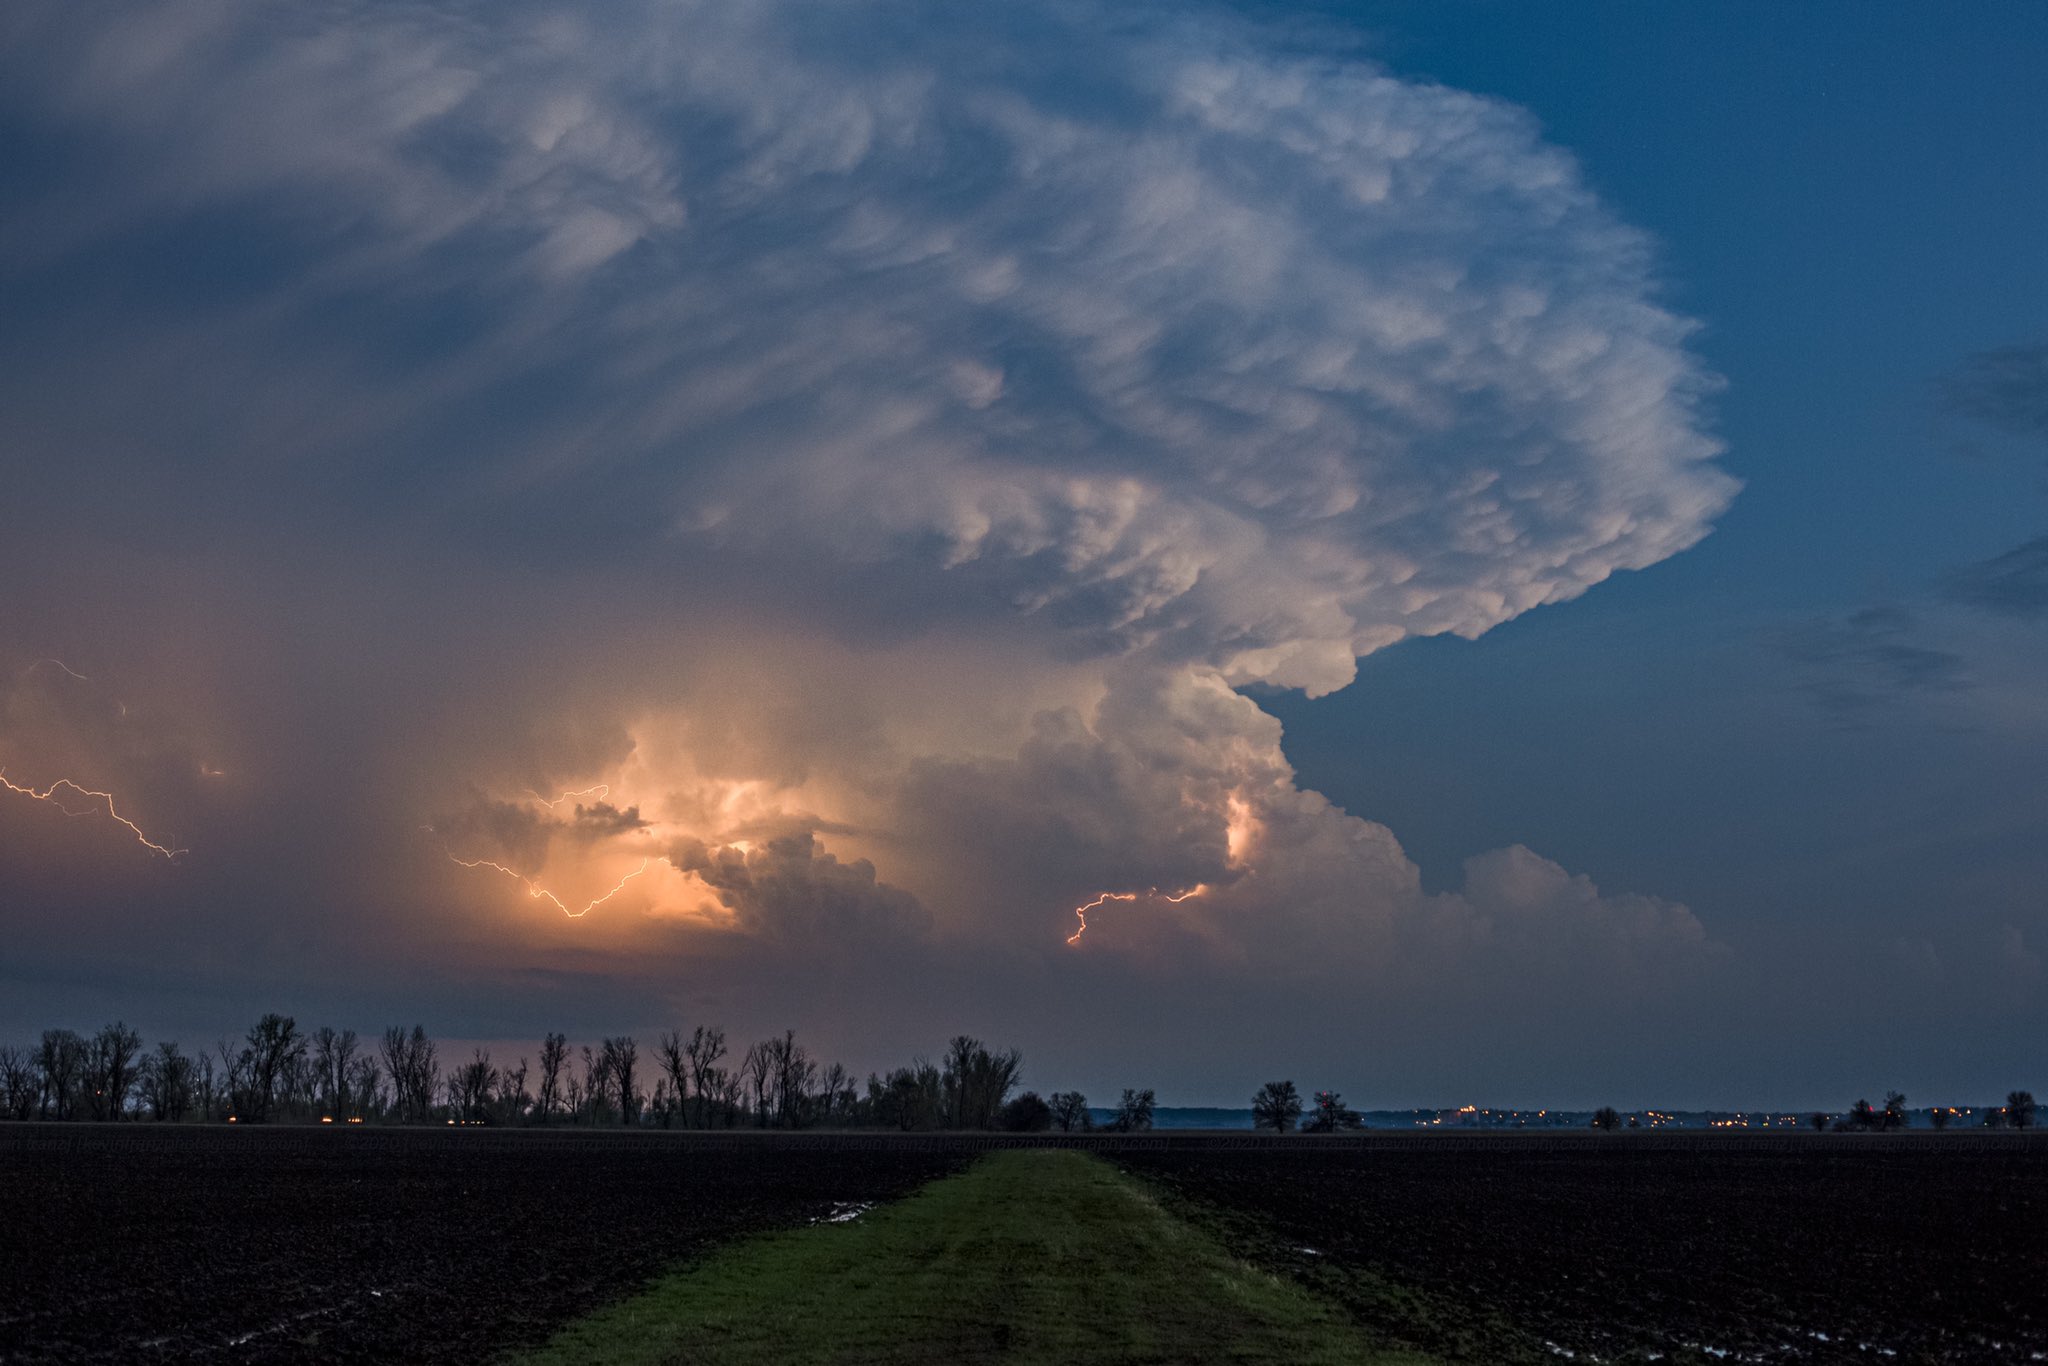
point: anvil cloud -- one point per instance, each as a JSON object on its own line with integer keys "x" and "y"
{"x": 879, "y": 444}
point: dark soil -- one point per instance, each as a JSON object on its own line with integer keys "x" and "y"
{"x": 140, "y": 1243}
{"x": 1638, "y": 1248}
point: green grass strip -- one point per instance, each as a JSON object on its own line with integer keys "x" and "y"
{"x": 1028, "y": 1256}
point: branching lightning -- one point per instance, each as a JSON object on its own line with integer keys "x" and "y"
{"x": 59, "y": 664}
{"x": 49, "y": 794}
{"x": 1149, "y": 894}
{"x": 599, "y": 791}
{"x": 540, "y": 893}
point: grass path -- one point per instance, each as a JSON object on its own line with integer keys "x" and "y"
{"x": 1028, "y": 1256}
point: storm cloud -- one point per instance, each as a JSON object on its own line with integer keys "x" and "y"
{"x": 873, "y": 445}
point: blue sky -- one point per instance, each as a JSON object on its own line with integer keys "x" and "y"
{"x": 901, "y": 470}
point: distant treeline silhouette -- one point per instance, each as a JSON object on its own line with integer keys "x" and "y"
{"x": 278, "y": 1073}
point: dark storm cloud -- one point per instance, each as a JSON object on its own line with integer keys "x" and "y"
{"x": 870, "y": 442}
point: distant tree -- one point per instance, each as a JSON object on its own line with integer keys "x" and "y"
{"x": 413, "y": 1070}
{"x": 672, "y": 1054}
{"x": 110, "y": 1063}
{"x": 165, "y": 1082}
{"x": 909, "y": 1098}
{"x": 512, "y": 1101}
{"x": 837, "y": 1101}
{"x": 1939, "y": 1116}
{"x": 60, "y": 1062}
{"x": 977, "y": 1082}
{"x": 334, "y": 1066}
{"x": 1863, "y": 1116}
{"x": 707, "y": 1078}
{"x": 1027, "y": 1114}
{"x": 759, "y": 1069}
{"x": 596, "y": 1084}
{"x": 1331, "y": 1114}
{"x": 554, "y": 1051}
{"x": 619, "y": 1056}
{"x": 2019, "y": 1109}
{"x": 1819, "y": 1121}
{"x": 471, "y": 1085}
{"x": 791, "y": 1073}
{"x": 206, "y": 1092}
{"x": 1134, "y": 1111}
{"x": 1894, "y": 1115}
{"x": 1070, "y": 1111}
{"x": 1606, "y": 1119}
{"x": 20, "y": 1082}
{"x": 365, "y": 1086}
{"x": 273, "y": 1048}
{"x": 1277, "y": 1106}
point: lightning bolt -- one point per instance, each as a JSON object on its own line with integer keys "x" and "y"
{"x": 1150, "y": 893}
{"x": 600, "y": 791}
{"x": 60, "y": 664}
{"x": 49, "y": 794}
{"x": 540, "y": 893}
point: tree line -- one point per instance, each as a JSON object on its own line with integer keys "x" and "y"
{"x": 277, "y": 1072}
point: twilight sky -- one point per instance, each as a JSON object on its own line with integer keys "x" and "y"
{"x": 1510, "y": 537}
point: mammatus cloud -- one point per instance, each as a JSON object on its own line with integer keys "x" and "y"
{"x": 853, "y": 454}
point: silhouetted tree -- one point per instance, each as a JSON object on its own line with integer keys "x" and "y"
{"x": 110, "y": 1061}
{"x": 792, "y": 1072}
{"x": 1134, "y": 1111}
{"x": 1027, "y": 1114}
{"x": 2019, "y": 1109}
{"x": 60, "y": 1062}
{"x": 411, "y": 1067}
{"x": 977, "y": 1082}
{"x": 707, "y": 1078}
{"x": 1863, "y": 1116}
{"x": 334, "y": 1062}
{"x": 838, "y": 1103}
{"x": 759, "y": 1069}
{"x": 165, "y": 1081}
{"x": 554, "y": 1051}
{"x": 619, "y": 1056}
{"x": 1894, "y": 1116}
{"x": 1819, "y": 1121}
{"x": 911, "y": 1098}
{"x": 1607, "y": 1119}
{"x": 1277, "y": 1106}
{"x": 1070, "y": 1111}
{"x": 1939, "y": 1116}
{"x": 672, "y": 1053}
{"x": 470, "y": 1087}
{"x": 512, "y": 1099}
{"x": 1331, "y": 1114}
{"x": 273, "y": 1045}
{"x": 20, "y": 1083}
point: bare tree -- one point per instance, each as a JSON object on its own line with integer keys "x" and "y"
{"x": 1277, "y": 1106}
{"x": 411, "y": 1066}
{"x": 512, "y": 1097}
{"x": 165, "y": 1081}
{"x": 470, "y": 1087}
{"x": 554, "y": 1051}
{"x": 334, "y": 1057}
{"x": 274, "y": 1047}
{"x": 619, "y": 1056}
{"x": 110, "y": 1063}
{"x": 20, "y": 1082}
{"x": 791, "y": 1070}
{"x": 1134, "y": 1111}
{"x": 1070, "y": 1111}
{"x": 60, "y": 1061}
{"x": 977, "y": 1082}
{"x": 205, "y": 1090}
{"x": 2019, "y": 1109}
{"x": 1331, "y": 1114}
{"x": 1606, "y": 1119}
{"x": 705, "y": 1048}
{"x": 674, "y": 1057}
{"x": 1894, "y": 1116}
{"x": 365, "y": 1086}
{"x": 759, "y": 1070}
